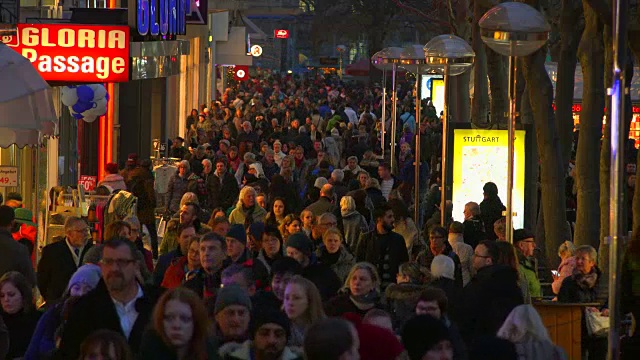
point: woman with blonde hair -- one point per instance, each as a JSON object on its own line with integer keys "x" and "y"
{"x": 179, "y": 329}
{"x": 303, "y": 306}
{"x": 291, "y": 224}
{"x": 360, "y": 294}
{"x": 247, "y": 210}
{"x": 525, "y": 329}
{"x": 334, "y": 254}
{"x": 566, "y": 252}
{"x": 353, "y": 223}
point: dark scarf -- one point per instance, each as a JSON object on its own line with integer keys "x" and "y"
{"x": 586, "y": 281}
{"x": 363, "y": 301}
{"x": 329, "y": 259}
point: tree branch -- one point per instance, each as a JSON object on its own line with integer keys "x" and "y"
{"x": 602, "y": 9}
{"x": 416, "y": 11}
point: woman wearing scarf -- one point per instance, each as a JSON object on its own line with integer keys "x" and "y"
{"x": 361, "y": 292}
{"x": 247, "y": 211}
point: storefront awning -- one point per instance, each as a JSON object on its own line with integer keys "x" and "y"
{"x": 26, "y": 106}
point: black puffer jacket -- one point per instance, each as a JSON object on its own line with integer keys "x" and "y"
{"x": 401, "y": 301}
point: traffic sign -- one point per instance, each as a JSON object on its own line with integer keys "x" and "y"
{"x": 256, "y": 50}
{"x": 281, "y": 34}
{"x": 241, "y": 73}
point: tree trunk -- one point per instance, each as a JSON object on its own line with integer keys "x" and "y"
{"x": 591, "y": 55}
{"x": 499, "y": 84}
{"x": 459, "y": 101}
{"x": 480, "y": 102}
{"x": 570, "y": 31}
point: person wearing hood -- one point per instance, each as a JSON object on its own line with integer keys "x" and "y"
{"x": 43, "y": 341}
{"x": 525, "y": 329}
{"x": 300, "y": 247}
{"x": 112, "y": 179}
{"x": 402, "y": 297}
{"x": 334, "y": 254}
{"x": 353, "y": 223}
{"x": 247, "y": 211}
{"x": 491, "y": 209}
{"x": 490, "y": 296}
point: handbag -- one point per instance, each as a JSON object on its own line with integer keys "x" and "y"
{"x": 597, "y": 325}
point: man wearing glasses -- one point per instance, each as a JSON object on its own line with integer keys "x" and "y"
{"x": 118, "y": 303}
{"x": 525, "y": 246}
{"x": 61, "y": 259}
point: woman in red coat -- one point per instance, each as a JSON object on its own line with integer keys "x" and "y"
{"x": 177, "y": 272}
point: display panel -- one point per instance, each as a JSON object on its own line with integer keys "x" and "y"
{"x": 480, "y": 156}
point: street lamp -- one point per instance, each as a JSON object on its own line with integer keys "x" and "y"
{"x": 451, "y": 56}
{"x": 341, "y": 49}
{"x": 513, "y": 29}
{"x": 388, "y": 59}
{"x": 412, "y": 58}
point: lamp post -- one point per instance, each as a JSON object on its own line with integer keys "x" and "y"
{"x": 413, "y": 59}
{"x": 513, "y": 29}
{"x": 451, "y": 56}
{"x": 385, "y": 60}
{"x": 341, "y": 49}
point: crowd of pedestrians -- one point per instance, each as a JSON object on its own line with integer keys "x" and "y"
{"x": 286, "y": 235}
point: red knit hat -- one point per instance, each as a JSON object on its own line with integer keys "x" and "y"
{"x": 376, "y": 343}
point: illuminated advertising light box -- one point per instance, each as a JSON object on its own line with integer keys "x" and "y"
{"x": 480, "y": 156}
{"x": 75, "y": 53}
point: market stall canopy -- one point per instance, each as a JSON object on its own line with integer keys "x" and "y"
{"x": 358, "y": 68}
{"x": 26, "y": 106}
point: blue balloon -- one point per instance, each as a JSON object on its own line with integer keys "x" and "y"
{"x": 82, "y": 106}
{"x": 78, "y": 116}
{"x": 85, "y": 93}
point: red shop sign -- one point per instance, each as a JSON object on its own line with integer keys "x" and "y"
{"x": 74, "y": 53}
{"x": 281, "y": 34}
{"x": 88, "y": 182}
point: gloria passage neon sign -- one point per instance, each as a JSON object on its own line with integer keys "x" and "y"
{"x": 161, "y": 17}
{"x": 74, "y": 53}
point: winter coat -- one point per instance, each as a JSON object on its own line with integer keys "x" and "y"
{"x": 574, "y": 290}
{"x": 490, "y": 211}
{"x": 95, "y": 311}
{"x": 222, "y": 194}
{"x": 353, "y": 225}
{"x": 21, "y": 327}
{"x": 174, "y": 276}
{"x": 340, "y": 267}
{"x": 323, "y": 205}
{"x": 409, "y": 231}
{"x": 239, "y": 214}
{"x": 565, "y": 269}
{"x": 465, "y": 254}
{"x": 177, "y": 187}
{"x": 401, "y": 301}
{"x": 473, "y": 231}
{"x": 527, "y": 268}
{"x": 114, "y": 181}
{"x": 488, "y": 300}
{"x": 243, "y": 352}
{"x": 323, "y": 277}
{"x": 539, "y": 350}
{"x": 376, "y": 197}
{"x": 43, "y": 341}
{"x": 342, "y": 304}
{"x": 141, "y": 185}
{"x": 154, "y": 348}
{"x": 369, "y": 248}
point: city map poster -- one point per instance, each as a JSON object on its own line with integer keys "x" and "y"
{"x": 480, "y": 156}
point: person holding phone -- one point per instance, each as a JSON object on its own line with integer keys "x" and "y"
{"x": 566, "y": 252}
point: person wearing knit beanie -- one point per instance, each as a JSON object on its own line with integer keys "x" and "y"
{"x": 236, "y": 245}
{"x": 302, "y": 246}
{"x": 269, "y": 316}
{"x": 232, "y": 313}
{"x": 425, "y": 336}
{"x": 85, "y": 279}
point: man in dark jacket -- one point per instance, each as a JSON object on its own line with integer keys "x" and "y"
{"x": 490, "y": 296}
{"x": 383, "y": 247}
{"x": 473, "y": 226}
{"x": 118, "y": 303}
{"x": 13, "y": 255}
{"x": 439, "y": 245}
{"x": 491, "y": 209}
{"x": 61, "y": 259}
{"x": 207, "y": 280}
{"x": 325, "y": 203}
{"x": 300, "y": 248}
{"x": 222, "y": 187}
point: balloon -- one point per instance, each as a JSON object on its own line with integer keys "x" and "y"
{"x": 85, "y": 93}
{"x": 77, "y": 116}
{"x": 69, "y": 96}
{"x": 90, "y": 118}
{"x": 101, "y": 105}
{"x": 107, "y": 96}
{"x": 82, "y": 106}
{"x": 99, "y": 91}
